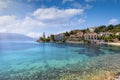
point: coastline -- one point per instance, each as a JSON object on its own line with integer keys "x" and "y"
{"x": 74, "y": 42}
{"x": 106, "y": 43}
{"x": 112, "y": 43}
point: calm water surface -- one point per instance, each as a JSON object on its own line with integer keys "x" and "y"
{"x": 36, "y": 61}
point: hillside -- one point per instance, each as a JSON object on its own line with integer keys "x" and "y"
{"x": 14, "y": 37}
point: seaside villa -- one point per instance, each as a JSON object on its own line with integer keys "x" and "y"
{"x": 92, "y": 29}
{"x": 76, "y": 37}
{"x": 90, "y": 36}
{"x": 118, "y": 33}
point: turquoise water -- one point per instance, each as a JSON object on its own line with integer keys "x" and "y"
{"x": 46, "y": 61}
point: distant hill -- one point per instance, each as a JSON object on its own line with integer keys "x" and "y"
{"x": 14, "y": 37}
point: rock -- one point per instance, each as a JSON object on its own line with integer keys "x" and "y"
{"x": 117, "y": 76}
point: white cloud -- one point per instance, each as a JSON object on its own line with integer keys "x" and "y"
{"x": 65, "y": 1}
{"x": 33, "y": 0}
{"x": 34, "y": 34}
{"x": 87, "y": 6}
{"x": 2, "y": 30}
{"x": 81, "y": 6}
{"x": 7, "y": 20}
{"x": 89, "y": 0}
{"x": 3, "y": 4}
{"x": 54, "y": 13}
{"x": 14, "y": 25}
{"x": 77, "y": 5}
{"x": 113, "y": 21}
{"x": 40, "y": 21}
{"x": 81, "y": 20}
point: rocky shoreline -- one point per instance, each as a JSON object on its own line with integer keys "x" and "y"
{"x": 114, "y": 44}
{"x": 105, "y": 67}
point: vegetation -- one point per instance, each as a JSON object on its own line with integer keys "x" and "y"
{"x": 110, "y": 28}
{"x": 42, "y": 39}
{"x": 74, "y": 31}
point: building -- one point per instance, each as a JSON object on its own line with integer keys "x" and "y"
{"x": 90, "y": 36}
{"x": 105, "y": 33}
{"x": 59, "y": 37}
{"x": 76, "y": 37}
{"x": 80, "y": 34}
{"x": 92, "y": 29}
{"x": 118, "y": 33}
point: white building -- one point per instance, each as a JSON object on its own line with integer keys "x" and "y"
{"x": 92, "y": 29}
{"x": 105, "y": 33}
{"x": 59, "y": 37}
{"x": 118, "y": 33}
{"x": 91, "y": 36}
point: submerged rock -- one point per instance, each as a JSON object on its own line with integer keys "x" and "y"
{"x": 117, "y": 76}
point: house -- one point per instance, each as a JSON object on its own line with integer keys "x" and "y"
{"x": 59, "y": 37}
{"x": 80, "y": 34}
{"x": 76, "y": 37}
{"x": 90, "y": 36}
{"x": 118, "y": 33}
{"x": 105, "y": 33}
{"x": 92, "y": 29}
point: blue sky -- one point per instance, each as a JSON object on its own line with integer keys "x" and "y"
{"x": 33, "y": 17}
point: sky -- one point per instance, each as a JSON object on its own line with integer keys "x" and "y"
{"x": 33, "y": 17}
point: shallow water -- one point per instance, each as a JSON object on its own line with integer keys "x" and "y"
{"x": 49, "y": 61}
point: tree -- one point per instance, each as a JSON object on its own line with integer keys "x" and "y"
{"x": 51, "y": 37}
{"x": 42, "y": 39}
{"x": 118, "y": 37}
{"x": 109, "y": 28}
{"x": 47, "y": 39}
{"x": 86, "y": 30}
{"x": 100, "y": 29}
{"x": 107, "y": 39}
{"x": 66, "y": 34}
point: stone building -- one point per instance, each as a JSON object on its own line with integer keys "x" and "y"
{"x": 76, "y": 37}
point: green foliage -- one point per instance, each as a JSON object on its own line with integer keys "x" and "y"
{"x": 47, "y": 39}
{"x": 87, "y": 41}
{"x": 100, "y": 29}
{"x": 42, "y": 39}
{"x": 118, "y": 37}
{"x": 74, "y": 32}
{"x": 109, "y": 28}
{"x": 67, "y": 34}
{"x": 51, "y": 37}
{"x": 108, "y": 38}
{"x": 71, "y": 32}
{"x": 85, "y": 30}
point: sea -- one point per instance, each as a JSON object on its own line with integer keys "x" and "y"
{"x": 28, "y": 60}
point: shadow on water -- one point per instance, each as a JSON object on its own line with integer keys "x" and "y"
{"x": 92, "y": 50}
{"x": 115, "y": 49}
